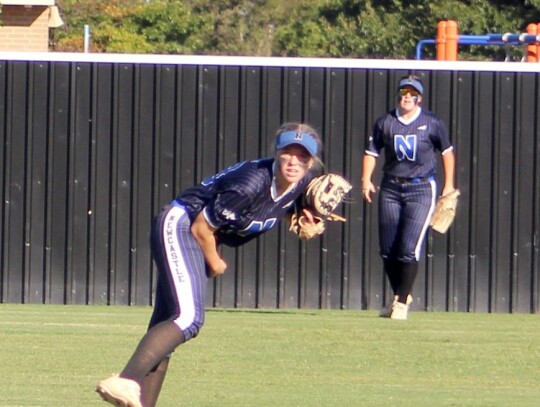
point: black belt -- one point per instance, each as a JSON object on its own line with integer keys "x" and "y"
{"x": 415, "y": 180}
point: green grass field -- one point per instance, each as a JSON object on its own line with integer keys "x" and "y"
{"x": 53, "y": 356}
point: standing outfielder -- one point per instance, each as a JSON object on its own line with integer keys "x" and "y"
{"x": 231, "y": 208}
{"x": 410, "y": 137}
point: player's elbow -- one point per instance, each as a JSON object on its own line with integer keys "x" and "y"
{"x": 201, "y": 230}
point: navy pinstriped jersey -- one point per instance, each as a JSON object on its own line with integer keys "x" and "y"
{"x": 239, "y": 202}
{"x": 410, "y": 149}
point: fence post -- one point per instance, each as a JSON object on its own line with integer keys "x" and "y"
{"x": 532, "y": 48}
{"x": 538, "y": 43}
{"x": 452, "y": 36}
{"x": 441, "y": 41}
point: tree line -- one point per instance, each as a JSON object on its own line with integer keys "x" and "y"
{"x": 306, "y": 28}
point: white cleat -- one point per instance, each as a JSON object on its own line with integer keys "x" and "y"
{"x": 399, "y": 311}
{"x": 120, "y": 392}
{"x": 386, "y": 312}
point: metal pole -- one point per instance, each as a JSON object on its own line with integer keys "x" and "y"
{"x": 419, "y": 46}
{"x": 87, "y": 35}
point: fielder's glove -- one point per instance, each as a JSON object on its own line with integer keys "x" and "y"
{"x": 321, "y": 198}
{"x": 445, "y": 211}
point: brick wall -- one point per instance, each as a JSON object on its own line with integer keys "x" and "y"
{"x": 24, "y": 28}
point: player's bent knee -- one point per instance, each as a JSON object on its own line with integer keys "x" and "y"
{"x": 193, "y": 329}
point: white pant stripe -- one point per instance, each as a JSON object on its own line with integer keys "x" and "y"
{"x": 418, "y": 248}
{"x": 177, "y": 266}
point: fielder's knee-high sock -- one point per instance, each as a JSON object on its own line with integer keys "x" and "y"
{"x": 151, "y": 386}
{"x": 156, "y": 345}
{"x": 393, "y": 272}
{"x": 408, "y": 275}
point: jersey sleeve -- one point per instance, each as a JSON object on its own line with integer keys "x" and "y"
{"x": 376, "y": 139}
{"x": 235, "y": 194}
{"x": 439, "y": 137}
{"x": 227, "y": 209}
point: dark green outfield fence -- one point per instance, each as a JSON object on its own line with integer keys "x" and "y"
{"x": 94, "y": 145}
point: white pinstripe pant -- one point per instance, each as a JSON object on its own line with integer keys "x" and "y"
{"x": 182, "y": 279}
{"x": 405, "y": 211}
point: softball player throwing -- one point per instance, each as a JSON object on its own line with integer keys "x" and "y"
{"x": 410, "y": 137}
{"x": 231, "y": 208}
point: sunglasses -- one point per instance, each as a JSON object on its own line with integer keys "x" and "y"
{"x": 302, "y": 161}
{"x": 405, "y": 91}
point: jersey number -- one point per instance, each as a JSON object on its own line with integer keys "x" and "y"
{"x": 405, "y": 147}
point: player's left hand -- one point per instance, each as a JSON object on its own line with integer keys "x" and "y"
{"x": 306, "y": 225}
{"x": 309, "y": 220}
{"x": 321, "y": 198}
{"x": 448, "y": 189}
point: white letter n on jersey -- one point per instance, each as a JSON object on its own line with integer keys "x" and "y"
{"x": 405, "y": 147}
